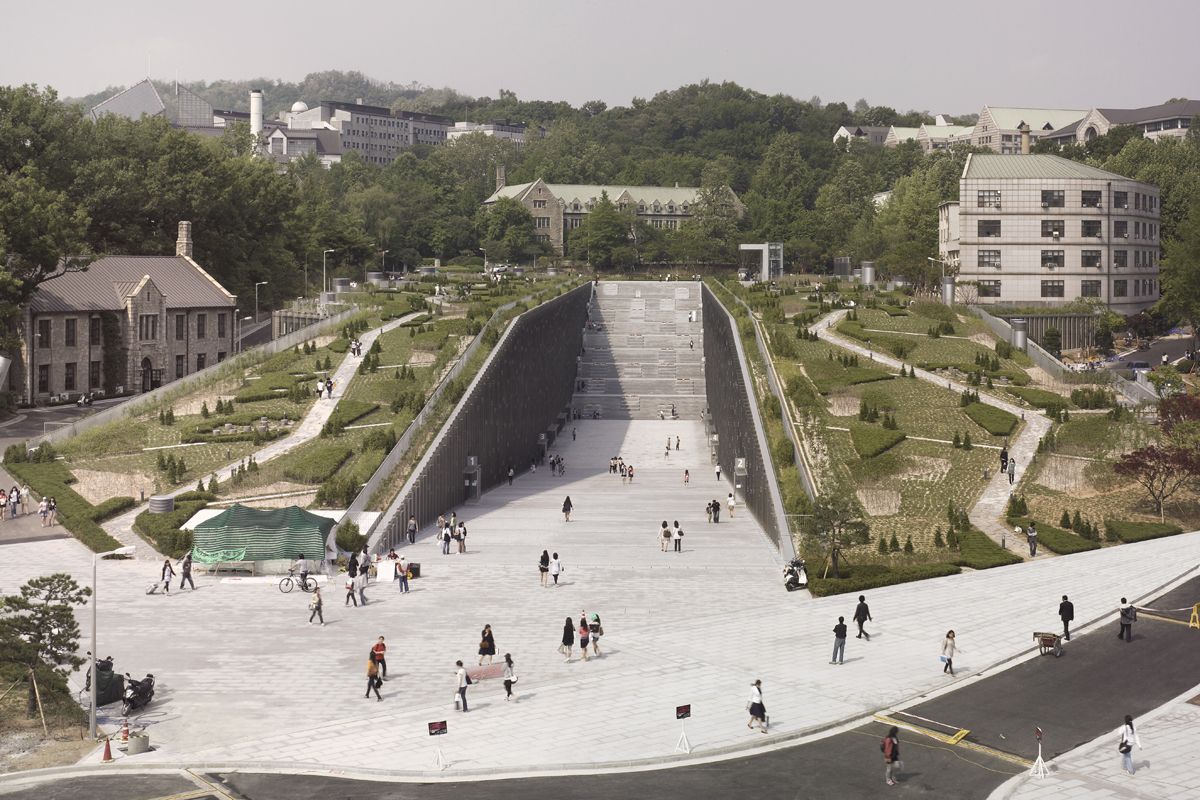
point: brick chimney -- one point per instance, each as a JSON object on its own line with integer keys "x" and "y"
{"x": 499, "y": 177}
{"x": 183, "y": 245}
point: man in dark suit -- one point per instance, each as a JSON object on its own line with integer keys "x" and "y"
{"x": 1066, "y": 611}
{"x": 861, "y": 614}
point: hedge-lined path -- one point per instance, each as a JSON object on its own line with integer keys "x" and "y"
{"x": 121, "y": 527}
{"x": 26, "y": 527}
{"x": 988, "y": 512}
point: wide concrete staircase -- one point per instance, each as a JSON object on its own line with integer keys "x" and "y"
{"x": 644, "y": 352}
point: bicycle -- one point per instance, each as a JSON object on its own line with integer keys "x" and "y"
{"x": 291, "y": 581}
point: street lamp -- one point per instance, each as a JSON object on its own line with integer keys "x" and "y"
{"x": 485, "y": 269}
{"x": 942, "y": 285}
{"x": 120, "y": 551}
{"x": 383, "y": 261}
{"x": 327, "y": 252}
{"x": 260, "y": 283}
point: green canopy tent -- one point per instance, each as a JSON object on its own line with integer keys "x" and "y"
{"x": 266, "y": 534}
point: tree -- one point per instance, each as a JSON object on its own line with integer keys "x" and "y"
{"x": 1161, "y": 470}
{"x": 1052, "y": 342}
{"x": 506, "y": 231}
{"x": 835, "y": 522}
{"x": 38, "y": 629}
{"x": 1181, "y": 267}
{"x": 1166, "y": 380}
{"x": 603, "y": 238}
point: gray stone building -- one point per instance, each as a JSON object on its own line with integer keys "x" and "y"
{"x": 126, "y": 324}
{"x": 376, "y": 133}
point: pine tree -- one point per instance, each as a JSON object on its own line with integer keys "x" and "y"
{"x": 1064, "y": 521}
{"x": 204, "y": 409}
{"x": 1077, "y": 521}
{"x": 938, "y": 541}
{"x": 967, "y": 441}
{"x": 894, "y": 544}
{"x": 908, "y": 545}
{"x": 952, "y": 539}
{"x": 957, "y": 441}
{"x": 883, "y": 546}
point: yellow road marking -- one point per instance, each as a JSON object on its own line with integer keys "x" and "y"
{"x": 956, "y": 739}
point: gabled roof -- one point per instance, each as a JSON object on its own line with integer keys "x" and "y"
{"x": 903, "y": 134}
{"x": 1129, "y": 116}
{"x": 110, "y": 279}
{"x": 945, "y": 131}
{"x": 583, "y": 192}
{"x": 1009, "y": 118}
{"x": 1066, "y": 130}
{"x": 139, "y": 100}
{"x": 990, "y": 165}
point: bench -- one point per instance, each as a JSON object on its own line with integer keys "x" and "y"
{"x": 1048, "y": 643}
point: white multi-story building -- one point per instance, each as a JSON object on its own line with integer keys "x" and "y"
{"x": 377, "y": 134}
{"x": 1043, "y": 230}
{"x": 499, "y": 129}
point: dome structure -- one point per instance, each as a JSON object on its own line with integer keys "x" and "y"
{"x": 299, "y": 106}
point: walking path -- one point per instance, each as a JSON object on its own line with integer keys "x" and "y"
{"x": 989, "y": 509}
{"x": 121, "y": 527}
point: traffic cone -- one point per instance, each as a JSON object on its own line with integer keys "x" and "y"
{"x": 107, "y": 758}
{"x": 123, "y": 741}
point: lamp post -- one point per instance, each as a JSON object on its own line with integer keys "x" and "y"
{"x": 120, "y": 551}
{"x": 260, "y": 283}
{"x": 942, "y": 285}
{"x": 485, "y": 269}
{"x": 383, "y": 261}
{"x": 323, "y": 255}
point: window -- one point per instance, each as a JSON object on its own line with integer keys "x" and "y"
{"x": 180, "y": 327}
{"x": 672, "y": 224}
{"x": 1137, "y": 287}
{"x": 1089, "y": 288}
{"x": 202, "y": 326}
{"x": 147, "y": 327}
{"x": 989, "y": 288}
{"x": 987, "y": 198}
{"x": 69, "y": 376}
{"x": 1120, "y": 229}
{"x": 1054, "y": 198}
{"x": 1120, "y": 258}
{"x": 989, "y": 258}
{"x": 1137, "y": 205}
{"x": 201, "y": 361}
{"x": 539, "y": 203}
{"x": 1053, "y": 227}
{"x": 1120, "y": 288}
{"x": 43, "y": 333}
{"x": 989, "y": 228}
{"x": 1120, "y": 199}
{"x": 1052, "y": 288}
{"x": 221, "y": 325}
{"x": 94, "y": 331}
{"x": 541, "y": 222}
{"x": 1091, "y": 227}
{"x": 94, "y": 375}
{"x": 69, "y": 337}
{"x": 1090, "y": 258}
{"x": 220, "y": 356}
{"x": 1089, "y": 199}
{"x": 1054, "y": 258}
{"x": 44, "y": 378}
{"x": 180, "y": 366}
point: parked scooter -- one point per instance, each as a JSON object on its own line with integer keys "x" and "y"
{"x": 137, "y": 693}
{"x": 795, "y": 576}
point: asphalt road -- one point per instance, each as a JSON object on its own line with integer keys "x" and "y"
{"x": 1175, "y": 348}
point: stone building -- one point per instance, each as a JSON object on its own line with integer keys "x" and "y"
{"x": 1039, "y": 230}
{"x": 126, "y": 324}
{"x": 1164, "y": 121}
{"x": 999, "y": 127}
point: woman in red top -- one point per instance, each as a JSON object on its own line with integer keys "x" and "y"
{"x": 380, "y": 651}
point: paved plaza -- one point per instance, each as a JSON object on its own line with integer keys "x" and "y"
{"x": 244, "y": 679}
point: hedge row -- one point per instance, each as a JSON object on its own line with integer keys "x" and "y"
{"x": 111, "y": 508}
{"x": 872, "y": 576}
{"x": 163, "y": 529}
{"x": 1056, "y": 540}
{"x": 995, "y": 421}
{"x": 268, "y": 386}
{"x": 319, "y": 462}
{"x": 871, "y": 440}
{"x": 51, "y": 480}
{"x": 1038, "y": 398}
{"x": 1128, "y": 531}
{"x": 348, "y": 411}
{"x": 255, "y": 435}
{"x": 977, "y": 551}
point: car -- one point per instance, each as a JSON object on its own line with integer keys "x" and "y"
{"x": 1139, "y": 365}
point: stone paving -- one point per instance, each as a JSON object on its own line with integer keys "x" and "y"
{"x": 244, "y": 679}
{"x": 1165, "y": 768}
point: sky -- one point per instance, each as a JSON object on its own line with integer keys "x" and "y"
{"x": 938, "y": 57}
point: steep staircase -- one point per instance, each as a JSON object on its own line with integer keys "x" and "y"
{"x": 643, "y": 352}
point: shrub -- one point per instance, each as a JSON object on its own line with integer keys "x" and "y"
{"x": 337, "y": 346}
{"x": 977, "y": 551}
{"x": 995, "y": 421}
{"x": 164, "y": 529}
{"x": 52, "y": 479}
{"x": 348, "y": 537}
{"x": 870, "y": 441}
{"x": 318, "y": 463}
{"x": 111, "y": 508}
{"x": 1038, "y": 398}
{"x": 1064, "y": 521}
{"x": 860, "y": 577}
{"x": 1017, "y": 507}
{"x": 1056, "y": 540}
{"x": 1129, "y": 531}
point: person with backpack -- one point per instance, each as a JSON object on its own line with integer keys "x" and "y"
{"x": 664, "y": 536}
{"x": 891, "y": 755}
{"x": 596, "y": 630}
{"x": 446, "y": 536}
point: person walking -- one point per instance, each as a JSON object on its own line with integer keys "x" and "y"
{"x": 402, "y": 574}
{"x": 568, "y": 639}
{"x": 1004, "y": 458}
{"x": 511, "y": 473}
{"x": 379, "y": 650}
{"x": 464, "y": 680}
{"x": 350, "y": 592}
{"x": 1129, "y": 738}
{"x": 1066, "y": 612}
{"x": 360, "y": 583}
{"x": 584, "y": 636}
{"x": 544, "y": 568}
{"x": 731, "y": 503}
{"x": 510, "y": 676}
{"x": 1031, "y": 536}
{"x": 718, "y": 471}
{"x": 862, "y": 614}
{"x": 949, "y": 648}
{"x": 628, "y": 469}
{"x": 677, "y": 537}
{"x": 373, "y": 679}
{"x": 686, "y": 477}
{"x": 839, "y": 641}
{"x": 167, "y": 574}
{"x": 556, "y": 568}
{"x": 329, "y": 387}
{"x": 185, "y": 570}
{"x": 487, "y": 644}
{"x": 320, "y": 388}
{"x": 716, "y": 508}
{"x": 572, "y": 434}
{"x": 53, "y": 509}
{"x": 412, "y": 529}
{"x": 676, "y": 442}
{"x": 446, "y": 535}
{"x": 25, "y": 498}
{"x": 596, "y": 630}
{"x": 1012, "y": 471}
{"x": 758, "y": 711}
{"x": 461, "y": 537}
{"x": 352, "y": 566}
{"x": 44, "y": 510}
{"x": 316, "y": 606}
{"x": 891, "y": 756}
{"x": 664, "y": 536}
{"x": 1128, "y": 617}
{"x": 566, "y": 508}
{"x": 708, "y": 511}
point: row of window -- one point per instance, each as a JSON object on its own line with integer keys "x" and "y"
{"x": 642, "y": 208}
{"x": 1088, "y": 198}
{"x": 1057, "y": 259}
{"x": 1088, "y": 228}
{"x": 70, "y": 370}
{"x": 1141, "y": 287}
{"x": 147, "y": 329}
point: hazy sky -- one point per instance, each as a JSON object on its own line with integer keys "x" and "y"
{"x": 942, "y": 57}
